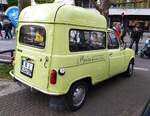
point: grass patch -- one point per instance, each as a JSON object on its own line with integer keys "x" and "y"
{"x": 4, "y": 71}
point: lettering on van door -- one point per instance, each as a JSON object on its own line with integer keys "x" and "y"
{"x": 90, "y": 59}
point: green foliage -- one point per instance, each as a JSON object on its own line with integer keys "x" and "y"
{"x": 44, "y": 1}
{"x": 12, "y": 2}
{"x": 4, "y": 71}
{"x": 15, "y": 2}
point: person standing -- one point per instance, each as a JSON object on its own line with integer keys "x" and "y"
{"x": 135, "y": 37}
{"x": 1, "y": 30}
{"x": 117, "y": 30}
{"x": 123, "y": 33}
{"x": 7, "y": 28}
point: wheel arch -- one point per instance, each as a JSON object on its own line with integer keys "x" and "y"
{"x": 132, "y": 60}
{"x": 88, "y": 80}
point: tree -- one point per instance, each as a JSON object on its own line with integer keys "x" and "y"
{"x": 104, "y": 6}
{"x": 44, "y": 1}
{"x": 12, "y": 2}
{"x": 24, "y": 3}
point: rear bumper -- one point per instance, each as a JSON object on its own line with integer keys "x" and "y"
{"x": 31, "y": 86}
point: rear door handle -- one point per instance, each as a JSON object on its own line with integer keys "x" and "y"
{"x": 19, "y": 50}
{"x": 110, "y": 54}
{"x": 46, "y": 60}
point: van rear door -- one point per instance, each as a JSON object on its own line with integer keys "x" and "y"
{"x": 33, "y": 56}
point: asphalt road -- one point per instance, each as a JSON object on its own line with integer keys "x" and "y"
{"x": 118, "y": 96}
{"x": 7, "y": 44}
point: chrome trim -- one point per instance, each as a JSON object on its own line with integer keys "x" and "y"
{"x": 46, "y": 92}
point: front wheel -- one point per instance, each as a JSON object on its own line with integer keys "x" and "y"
{"x": 130, "y": 69}
{"x": 77, "y": 95}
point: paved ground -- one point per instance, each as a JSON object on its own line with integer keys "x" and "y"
{"x": 7, "y": 44}
{"x": 119, "y": 96}
{"x": 8, "y": 87}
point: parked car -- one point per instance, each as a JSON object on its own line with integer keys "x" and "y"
{"x": 64, "y": 49}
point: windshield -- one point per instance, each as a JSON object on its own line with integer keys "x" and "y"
{"x": 32, "y": 35}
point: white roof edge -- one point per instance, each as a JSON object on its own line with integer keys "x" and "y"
{"x": 119, "y": 11}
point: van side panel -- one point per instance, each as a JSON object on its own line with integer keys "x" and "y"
{"x": 75, "y": 64}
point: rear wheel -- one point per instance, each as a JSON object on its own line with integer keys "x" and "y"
{"x": 130, "y": 69}
{"x": 77, "y": 95}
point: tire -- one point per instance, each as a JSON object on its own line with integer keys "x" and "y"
{"x": 77, "y": 95}
{"x": 130, "y": 69}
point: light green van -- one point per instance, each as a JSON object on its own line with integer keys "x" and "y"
{"x": 63, "y": 49}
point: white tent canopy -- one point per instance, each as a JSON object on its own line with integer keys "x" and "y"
{"x": 129, "y": 11}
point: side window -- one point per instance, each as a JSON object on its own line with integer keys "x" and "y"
{"x": 86, "y": 40}
{"x": 112, "y": 41}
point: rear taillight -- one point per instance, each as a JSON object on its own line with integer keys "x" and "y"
{"x": 53, "y": 76}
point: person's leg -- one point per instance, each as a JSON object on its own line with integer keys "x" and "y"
{"x": 1, "y": 34}
{"x": 6, "y": 34}
{"x": 122, "y": 39}
{"x": 10, "y": 34}
{"x": 131, "y": 44}
{"x": 136, "y": 47}
{"x": 145, "y": 45}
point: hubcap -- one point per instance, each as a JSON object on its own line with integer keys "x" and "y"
{"x": 79, "y": 95}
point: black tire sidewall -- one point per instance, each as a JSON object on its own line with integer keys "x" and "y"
{"x": 69, "y": 96}
{"x": 128, "y": 71}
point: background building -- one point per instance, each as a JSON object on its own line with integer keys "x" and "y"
{"x": 133, "y": 3}
{"x": 3, "y": 5}
{"x": 130, "y": 12}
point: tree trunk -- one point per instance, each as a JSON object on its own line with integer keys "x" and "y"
{"x": 23, "y": 3}
{"x": 103, "y": 7}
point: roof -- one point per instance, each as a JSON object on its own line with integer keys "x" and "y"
{"x": 64, "y": 14}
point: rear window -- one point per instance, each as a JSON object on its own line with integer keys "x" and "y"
{"x": 33, "y": 36}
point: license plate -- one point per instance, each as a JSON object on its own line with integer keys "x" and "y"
{"x": 27, "y": 68}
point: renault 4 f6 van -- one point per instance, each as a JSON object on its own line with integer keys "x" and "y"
{"x": 64, "y": 49}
